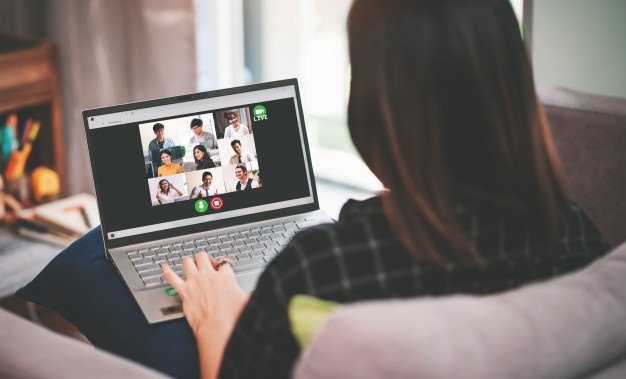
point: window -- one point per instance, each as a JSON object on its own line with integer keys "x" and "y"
{"x": 306, "y": 39}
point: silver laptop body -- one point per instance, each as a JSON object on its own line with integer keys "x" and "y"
{"x": 157, "y": 205}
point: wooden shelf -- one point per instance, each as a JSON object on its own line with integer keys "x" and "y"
{"x": 29, "y": 81}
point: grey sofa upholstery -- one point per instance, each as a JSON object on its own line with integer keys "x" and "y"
{"x": 31, "y": 351}
{"x": 590, "y": 134}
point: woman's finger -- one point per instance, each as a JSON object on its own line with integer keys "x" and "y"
{"x": 224, "y": 265}
{"x": 203, "y": 262}
{"x": 174, "y": 280}
{"x": 189, "y": 266}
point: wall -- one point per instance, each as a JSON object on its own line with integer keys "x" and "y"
{"x": 580, "y": 44}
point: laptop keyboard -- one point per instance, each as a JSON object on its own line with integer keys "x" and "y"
{"x": 248, "y": 249}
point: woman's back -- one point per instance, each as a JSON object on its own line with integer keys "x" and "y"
{"x": 359, "y": 258}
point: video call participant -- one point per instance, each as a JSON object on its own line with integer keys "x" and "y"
{"x": 205, "y": 189}
{"x": 167, "y": 192}
{"x": 202, "y": 158}
{"x": 160, "y": 142}
{"x": 244, "y": 183}
{"x": 240, "y": 156}
{"x": 199, "y": 135}
{"x": 234, "y": 129}
{"x": 168, "y": 168}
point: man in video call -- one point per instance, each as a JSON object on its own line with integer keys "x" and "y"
{"x": 205, "y": 189}
{"x": 199, "y": 135}
{"x": 240, "y": 155}
{"x": 244, "y": 183}
{"x": 161, "y": 141}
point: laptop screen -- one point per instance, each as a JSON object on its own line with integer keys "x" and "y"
{"x": 194, "y": 163}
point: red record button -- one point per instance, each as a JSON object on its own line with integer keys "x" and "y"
{"x": 216, "y": 203}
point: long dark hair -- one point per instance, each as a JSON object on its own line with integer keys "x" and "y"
{"x": 161, "y": 188}
{"x": 206, "y": 161}
{"x": 443, "y": 110}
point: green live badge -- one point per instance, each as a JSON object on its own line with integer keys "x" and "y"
{"x": 260, "y": 113}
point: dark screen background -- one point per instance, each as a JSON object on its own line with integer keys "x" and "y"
{"x": 122, "y": 189}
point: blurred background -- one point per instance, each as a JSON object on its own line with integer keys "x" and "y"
{"x": 117, "y": 51}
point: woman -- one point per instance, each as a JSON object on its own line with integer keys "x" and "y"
{"x": 167, "y": 192}
{"x": 202, "y": 158}
{"x": 234, "y": 129}
{"x": 443, "y": 110}
{"x": 168, "y": 168}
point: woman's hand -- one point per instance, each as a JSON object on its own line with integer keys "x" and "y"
{"x": 212, "y": 302}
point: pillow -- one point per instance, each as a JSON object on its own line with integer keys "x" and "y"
{"x": 84, "y": 287}
{"x": 306, "y": 315}
{"x": 568, "y": 327}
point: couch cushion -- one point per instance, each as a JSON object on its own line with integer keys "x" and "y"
{"x": 568, "y": 327}
{"x": 83, "y": 286}
{"x": 590, "y": 134}
{"x": 30, "y": 351}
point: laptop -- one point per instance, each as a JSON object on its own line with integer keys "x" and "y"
{"x": 238, "y": 184}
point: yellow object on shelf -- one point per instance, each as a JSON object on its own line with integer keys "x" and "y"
{"x": 45, "y": 183}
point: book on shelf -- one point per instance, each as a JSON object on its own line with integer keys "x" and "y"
{"x": 61, "y": 221}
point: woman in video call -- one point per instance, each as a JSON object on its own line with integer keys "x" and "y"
{"x": 168, "y": 167}
{"x": 443, "y": 110}
{"x": 167, "y": 192}
{"x": 234, "y": 129}
{"x": 202, "y": 158}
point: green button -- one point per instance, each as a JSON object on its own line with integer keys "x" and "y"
{"x": 171, "y": 292}
{"x": 201, "y": 206}
{"x": 259, "y": 111}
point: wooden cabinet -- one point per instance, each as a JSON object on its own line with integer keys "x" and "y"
{"x": 29, "y": 84}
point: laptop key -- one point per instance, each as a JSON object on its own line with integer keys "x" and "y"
{"x": 245, "y": 249}
{"x": 271, "y": 244}
{"x": 142, "y": 262}
{"x": 186, "y": 253}
{"x": 148, "y": 267}
{"x": 243, "y": 256}
{"x": 282, "y": 241}
{"x": 154, "y": 281}
{"x": 149, "y": 253}
{"x": 172, "y": 256}
{"x": 219, "y": 254}
{"x": 239, "y": 244}
{"x": 256, "y": 253}
{"x": 176, "y": 248}
{"x": 133, "y": 256}
{"x": 257, "y": 246}
{"x": 189, "y": 246}
{"x": 150, "y": 274}
{"x": 249, "y": 263}
{"x": 159, "y": 259}
{"x": 269, "y": 251}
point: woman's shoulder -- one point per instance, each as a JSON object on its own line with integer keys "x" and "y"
{"x": 361, "y": 225}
